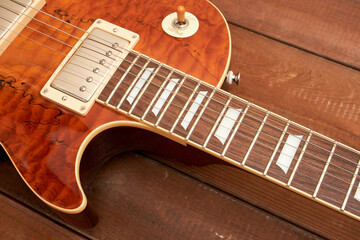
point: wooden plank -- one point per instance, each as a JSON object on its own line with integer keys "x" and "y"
{"x": 20, "y": 222}
{"x": 305, "y": 88}
{"x": 150, "y": 200}
{"x": 325, "y": 27}
{"x": 136, "y": 198}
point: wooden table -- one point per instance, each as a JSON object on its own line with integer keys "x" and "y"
{"x": 299, "y": 59}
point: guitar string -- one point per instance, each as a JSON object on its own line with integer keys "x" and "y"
{"x": 125, "y": 49}
{"x": 85, "y": 31}
{"x": 270, "y": 136}
{"x": 74, "y": 27}
{"x": 264, "y": 145}
{"x": 258, "y": 153}
{"x": 221, "y": 115}
{"x": 139, "y": 66}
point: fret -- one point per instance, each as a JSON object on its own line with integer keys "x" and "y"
{"x": 164, "y": 96}
{"x": 288, "y": 152}
{"x": 144, "y": 88}
{"x": 235, "y": 130}
{"x": 200, "y": 114}
{"x": 255, "y": 138}
{"x": 183, "y": 110}
{"x": 315, "y": 166}
{"x": 324, "y": 170}
{"x": 131, "y": 87}
{"x": 208, "y": 117}
{"x": 312, "y": 164}
{"x": 353, "y": 201}
{"x": 158, "y": 81}
{"x": 299, "y": 159}
{"x": 338, "y": 176}
{"x": 350, "y": 187}
{"x": 156, "y": 95}
{"x": 217, "y": 122}
{"x": 121, "y": 79}
{"x": 276, "y": 148}
{"x": 245, "y": 134}
{"x": 170, "y": 101}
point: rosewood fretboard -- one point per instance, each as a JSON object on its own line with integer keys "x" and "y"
{"x": 237, "y": 131}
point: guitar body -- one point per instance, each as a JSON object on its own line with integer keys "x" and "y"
{"x": 45, "y": 142}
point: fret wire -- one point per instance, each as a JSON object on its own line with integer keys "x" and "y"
{"x": 308, "y": 176}
{"x": 144, "y": 88}
{"x": 319, "y": 136}
{"x": 325, "y": 169}
{"x": 235, "y": 130}
{"x": 185, "y": 106}
{"x": 276, "y": 148}
{"x": 121, "y": 80}
{"x": 350, "y": 187}
{"x": 217, "y": 121}
{"x": 341, "y": 156}
{"x": 306, "y": 164}
{"x": 261, "y": 109}
{"x": 157, "y": 93}
{"x": 132, "y": 84}
{"x": 200, "y": 114}
{"x": 255, "y": 138}
{"x": 61, "y": 21}
{"x": 170, "y": 101}
{"x": 302, "y": 140}
{"x": 301, "y": 127}
{"x": 299, "y": 159}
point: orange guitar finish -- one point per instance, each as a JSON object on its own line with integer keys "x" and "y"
{"x": 46, "y": 142}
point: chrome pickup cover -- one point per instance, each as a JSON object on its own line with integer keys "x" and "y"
{"x": 88, "y": 66}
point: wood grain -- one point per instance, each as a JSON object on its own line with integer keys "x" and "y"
{"x": 137, "y": 197}
{"x": 44, "y": 140}
{"x": 19, "y": 222}
{"x": 327, "y": 28}
{"x": 268, "y": 79}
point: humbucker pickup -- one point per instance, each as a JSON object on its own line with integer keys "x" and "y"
{"x": 14, "y": 16}
{"x": 88, "y": 66}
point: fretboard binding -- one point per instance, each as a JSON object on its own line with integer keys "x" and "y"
{"x": 234, "y": 162}
{"x": 272, "y": 114}
{"x": 268, "y": 134}
{"x": 254, "y": 142}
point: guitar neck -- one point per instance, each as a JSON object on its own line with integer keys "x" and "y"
{"x": 236, "y": 131}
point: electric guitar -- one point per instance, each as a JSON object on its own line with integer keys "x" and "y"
{"x": 68, "y": 81}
